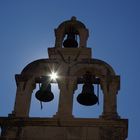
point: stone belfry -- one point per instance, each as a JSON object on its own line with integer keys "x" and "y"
{"x": 72, "y": 61}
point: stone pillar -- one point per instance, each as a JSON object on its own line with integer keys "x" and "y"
{"x": 83, "y": 33}
{"x": 110, "y": 87}
{"x": 23, "y": 98}
{"x": 67, "y": 86}
{"x": 59, "y": 35}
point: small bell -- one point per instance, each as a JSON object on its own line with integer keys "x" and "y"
{"x": 70, "y": 41}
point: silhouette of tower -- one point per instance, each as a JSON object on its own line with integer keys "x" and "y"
{"x": 73, "y": 62}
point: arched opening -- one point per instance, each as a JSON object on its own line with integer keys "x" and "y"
{"x": 82, "y": 111}
{"x": 48, "y": 108}
{"x": 72, "y": 26}
{"x": 71, "y": 40}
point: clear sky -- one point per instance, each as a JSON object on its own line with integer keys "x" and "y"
{"x": 27, "y": 30}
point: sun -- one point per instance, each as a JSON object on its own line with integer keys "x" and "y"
{"x": 54, "y": 76}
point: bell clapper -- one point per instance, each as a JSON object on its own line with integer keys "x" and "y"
{"x": 98, "y": 93}
{"x": 41, "y": 105}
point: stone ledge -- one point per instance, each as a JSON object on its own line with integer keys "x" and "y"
{"x": 73, "y": 53}
{"x": 35, "y": 121}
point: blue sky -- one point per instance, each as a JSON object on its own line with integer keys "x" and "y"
{"x": 27, "y": 30}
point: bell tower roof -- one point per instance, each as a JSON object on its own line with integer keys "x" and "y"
{"x": 72, "y": 22}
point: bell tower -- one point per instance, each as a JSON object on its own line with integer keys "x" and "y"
{"x": 70, "y": 63}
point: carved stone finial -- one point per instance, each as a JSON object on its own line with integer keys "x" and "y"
{"x": 73, "y": 18}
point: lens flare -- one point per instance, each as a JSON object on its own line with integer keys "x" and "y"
{"x": 53, "y": 76}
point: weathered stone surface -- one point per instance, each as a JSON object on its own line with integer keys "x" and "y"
{"x": 71, "y": 64}
{"x": 70, "y": 129}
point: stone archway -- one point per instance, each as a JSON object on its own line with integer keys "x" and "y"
{"x": 26, "y": 83}
{"x": 109, "y": 83}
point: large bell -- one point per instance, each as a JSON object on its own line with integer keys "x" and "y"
{"x": 70, "y": 41}
{"x": 44, "y": 94}
{"x": 87, "y": 97}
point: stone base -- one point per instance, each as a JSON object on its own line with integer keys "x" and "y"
{"x": 57, "y": 129}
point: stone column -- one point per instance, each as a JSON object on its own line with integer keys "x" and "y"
{"x": 83, "y": 33}
{"x": 110, "y": 87}
{"x": 59, "y": 35}
{"x": 67, "y": 86}
{"x": 23, "y": 98}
